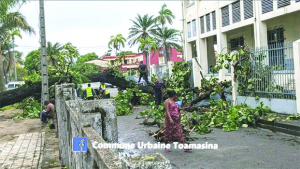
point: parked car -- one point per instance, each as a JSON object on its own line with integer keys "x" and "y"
{"x": 109, "y": 85}
{"x": 136, "y": 80}
{"x": 13, "y": 85}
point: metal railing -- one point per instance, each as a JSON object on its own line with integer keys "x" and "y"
{"x": 272, "y": 72}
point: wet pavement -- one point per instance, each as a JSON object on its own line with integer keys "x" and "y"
{"x": 245, "y": 148}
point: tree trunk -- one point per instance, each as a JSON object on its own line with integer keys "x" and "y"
{"x": 33, "y": 89}
{"x": 2, "y": 84}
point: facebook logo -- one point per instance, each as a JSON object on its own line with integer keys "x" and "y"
{"x": 80, "y": 144}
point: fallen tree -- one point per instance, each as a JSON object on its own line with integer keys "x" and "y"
{"x": 34, "y": 88}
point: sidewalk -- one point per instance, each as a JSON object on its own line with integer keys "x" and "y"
{"x": 21, "y": 153}
{"x": 245, "y": 148}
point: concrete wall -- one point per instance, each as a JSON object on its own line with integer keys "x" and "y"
{"x": 276, "y": 105}
{"x": 96, "y": 120}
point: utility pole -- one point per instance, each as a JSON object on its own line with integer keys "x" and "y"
{"x": 44, "y": 63}
{"x": 14, "y": 58}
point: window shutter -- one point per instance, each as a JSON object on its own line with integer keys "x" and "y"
{"x": 202, "y": 24}
{"x": 214, "y": 20}
{"x": 282, "y": 3}
{"x": 297, "y": 0}
{"x": 207, "y": 22}
{"x": 267, "y": 6}
{"x": 236, "y": 12}
{"x": 248, "y": 9}
{"x": 225, "y": 16}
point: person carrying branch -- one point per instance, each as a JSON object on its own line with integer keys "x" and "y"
{"x": 143, "y": 72}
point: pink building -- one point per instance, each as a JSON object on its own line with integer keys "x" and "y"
{"x": 157, "y": 58}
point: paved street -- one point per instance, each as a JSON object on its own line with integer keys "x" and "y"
{"x": 245, "y": 148}
{"x": 21, "y": 153}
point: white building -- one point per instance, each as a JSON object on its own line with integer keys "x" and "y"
{"x": 221, "y": 26}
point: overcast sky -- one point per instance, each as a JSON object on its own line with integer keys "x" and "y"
{"x": 88, "y": 25}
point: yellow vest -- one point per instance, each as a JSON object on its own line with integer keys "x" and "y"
{"x": 103, "y": 86}
{"x": 89, "y": 92}
{"x": 106, "y": 92}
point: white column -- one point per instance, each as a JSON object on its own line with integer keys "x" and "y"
{"x": 202, "y": 55}
{"x": 230, "y": 13}
{"x": 242, "y": 10}
{"x": 260, "y": 28}
{"x": 296, "y": 52}
{"x": 222, "y": 49}
{"x": 196, "y": 68}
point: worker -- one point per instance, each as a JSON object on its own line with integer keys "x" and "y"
{"x": 157, "y": 92}
{"x": 89, "y": 92}
{"x": 48, "y": 113}
{"x": 182, "y": 103}
{"x": 105, "y": 94}
{"x": 143, "y": 72}
{"x": 102, "y": 86}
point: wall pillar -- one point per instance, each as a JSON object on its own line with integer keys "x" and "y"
{"x": 222, "y": 49}
{"x": 260, "y": 28}
{"x": 296, "y": 52}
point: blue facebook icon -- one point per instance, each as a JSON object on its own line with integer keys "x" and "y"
{"x": 80, "y": 144}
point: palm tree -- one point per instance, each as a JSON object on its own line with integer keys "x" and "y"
{"x": 8, "y": 21}
{"x": 53, "y": 51}
{"x": 116, "y": 42}
{"x": 164, "y": 16}
{"x": 146, "y": 46}
{"x": 141, "y": 29}
{"x": 167, "y": 38}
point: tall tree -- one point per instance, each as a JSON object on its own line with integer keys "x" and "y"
{"x": 10, "y": 20}
{"x": 146, "y": 46}
{"x": 167, "y": 38}
{"x": 53, "y": 51}
{"x": 87, "y": 57}
{"x": 117, "y": 42}
{"x": 165, "y": 16}
{"x": 141, "y": 29}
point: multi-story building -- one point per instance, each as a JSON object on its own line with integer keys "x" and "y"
{"x": 221, "y": 26}
{"x": 131, "y": 61}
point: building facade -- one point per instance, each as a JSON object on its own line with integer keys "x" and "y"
{"x": 157, "y": 57}
{"x": 221, "y": 26}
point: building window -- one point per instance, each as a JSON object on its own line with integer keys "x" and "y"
{"x": 267, "y": 6}
{"x": 194, "y": 28}
{"x": 248, "y": 9}
{"x": 189, "y": 29}
{"x": 236, "y": 12}
{"x": 207, "y": 22}
{"x": 276, "y": 40}
{"x": 202, "y": 24}
{"x": 225, "y": 16}
{"x": 297, "y": 0}
{"x": 125, "y": 62}
{"x": 283, "y": 3}
{"x": 131, "y": 60}
{"x": 112, "y": 62}
{"x": 214, "y": 20}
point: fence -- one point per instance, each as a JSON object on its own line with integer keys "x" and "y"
{"x": 272, "y": 71}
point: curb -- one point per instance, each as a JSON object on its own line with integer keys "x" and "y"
{"x": 279, "y": 127}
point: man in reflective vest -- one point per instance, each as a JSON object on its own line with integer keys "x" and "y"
{"x": 105, "y": 93}
{"x": 102, "y": 86}
{"x": 89, "y": 92}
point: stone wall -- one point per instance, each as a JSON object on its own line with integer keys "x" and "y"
{"x": 96, "y": 120}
